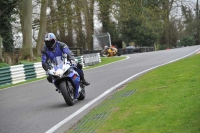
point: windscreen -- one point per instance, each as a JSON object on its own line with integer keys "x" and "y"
{"x": 57, "y": 61}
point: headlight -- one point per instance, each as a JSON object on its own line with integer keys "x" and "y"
{"x": 59, "y": 72}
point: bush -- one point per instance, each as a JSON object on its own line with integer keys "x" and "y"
{"x": 186, "y": 41}
{"x": 162, "y": 47}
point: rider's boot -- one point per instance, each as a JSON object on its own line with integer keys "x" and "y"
{"x": 83, "y": 80}
{"x": 80, "y": 72}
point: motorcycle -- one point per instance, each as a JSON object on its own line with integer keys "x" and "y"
{"x": 67, "y": 80}
{"x": 110, "y": 52}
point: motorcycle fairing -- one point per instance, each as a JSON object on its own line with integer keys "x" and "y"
{"x": 76, "y": 80}
{"x": 58, "y": 65}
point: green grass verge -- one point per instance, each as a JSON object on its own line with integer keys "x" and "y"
{"x": 3, "y": 65}
{"x": 104, "y": 61}
{"x": 167, "y": 100}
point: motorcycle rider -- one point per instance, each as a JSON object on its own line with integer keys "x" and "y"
{"x": 53, "y": 49}
{"x": 110, "y": 51}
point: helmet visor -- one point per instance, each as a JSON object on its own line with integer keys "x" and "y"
{"x": 50, "y": 44}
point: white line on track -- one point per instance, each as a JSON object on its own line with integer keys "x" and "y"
{"x": 107, "y": 92}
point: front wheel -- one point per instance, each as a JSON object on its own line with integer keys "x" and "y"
{"x": 67, "y": 92}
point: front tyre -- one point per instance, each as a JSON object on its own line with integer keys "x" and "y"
{"x": 67, "y": 93}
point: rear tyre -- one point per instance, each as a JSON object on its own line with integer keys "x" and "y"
{"x": 67, "y": 92}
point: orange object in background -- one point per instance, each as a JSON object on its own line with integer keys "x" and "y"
{"x": 110, "y": 51}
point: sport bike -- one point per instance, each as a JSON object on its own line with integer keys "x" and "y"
{"x": 67, "y": 80}
{"x": 109, "y": 52}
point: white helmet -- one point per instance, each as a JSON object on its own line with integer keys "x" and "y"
{"x": 50, "y": 40}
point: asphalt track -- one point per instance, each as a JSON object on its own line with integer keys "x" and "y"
{"x": 37, "y": 108}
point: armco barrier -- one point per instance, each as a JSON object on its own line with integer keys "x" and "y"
{"x": 20, "y": 73}
{"x": 91, "y": 59}
{"x": 5, "y": 76}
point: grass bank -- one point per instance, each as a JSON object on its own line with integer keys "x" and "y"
{"x": 165, "y": 100}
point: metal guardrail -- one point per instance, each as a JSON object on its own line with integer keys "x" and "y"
{"x": 147, "y": 49}
{"x": 91, "y": 59}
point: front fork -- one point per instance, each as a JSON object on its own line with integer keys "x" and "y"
{"x": 56, "y": 85}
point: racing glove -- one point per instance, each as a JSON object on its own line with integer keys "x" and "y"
{"x": 46, "y": 66}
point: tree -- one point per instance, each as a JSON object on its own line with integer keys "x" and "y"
{"x": 26, "y": 23}
{"x": 138, "y": 21}
{"x": 61, "y": 11}
{"x": 60, "y": 20}
{"x": 188, "y": 22}
{"x": 1, "y": 56}
{"x": 52, "y": 18}
{"x": 89, "y": 13}
{"x": 106, "y": 10}
{"x": 191, "y": 22}
{"x": 78, "y": 24}
{"x": 6, "y": 28}
{"x": 197, "y": 35}
{"x": 166, "y": 7}
{"x": 43, "y": 24}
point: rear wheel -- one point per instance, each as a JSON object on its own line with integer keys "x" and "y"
{"x": 67, "y": 91}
